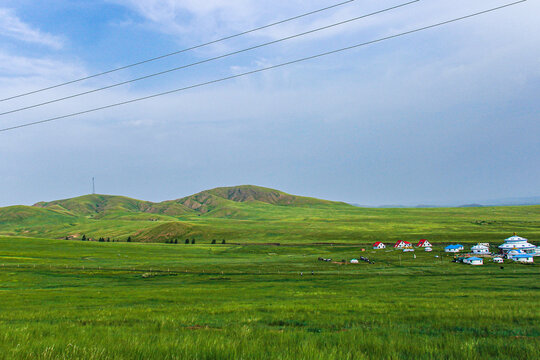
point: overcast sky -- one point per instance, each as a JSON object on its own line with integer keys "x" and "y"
{"x": 449, "y": 114}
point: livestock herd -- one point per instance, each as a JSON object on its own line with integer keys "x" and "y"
{"x": 362, "y": 258}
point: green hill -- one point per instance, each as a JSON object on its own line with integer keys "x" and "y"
{"x": 104, "y": 205}
{"x": 228, "y": 200}
{"x": 261, "y": 215}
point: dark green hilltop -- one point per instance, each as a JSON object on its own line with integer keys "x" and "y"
{"x": 252, "y": 214}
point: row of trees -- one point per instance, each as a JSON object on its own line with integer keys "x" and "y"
{"x": 169, "y": 241}
{"x": 192, "y": 241}
{"x": 101, "y": 239}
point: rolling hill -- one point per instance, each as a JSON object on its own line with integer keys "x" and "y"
{"x": 260, "y": 215}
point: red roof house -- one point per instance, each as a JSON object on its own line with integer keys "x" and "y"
{"x": 402, "y": 244}
{"x": 423, "y": 243}
{"x": 379, "y": 245}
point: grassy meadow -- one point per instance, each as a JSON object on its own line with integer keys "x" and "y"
{"x": 263, "y": 294}
{"x": 64, "y": 299}
{"x": 249, "y": 214}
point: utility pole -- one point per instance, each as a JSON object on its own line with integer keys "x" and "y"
{"x": 93, "y": 187}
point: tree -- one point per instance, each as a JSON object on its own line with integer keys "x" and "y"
{"x": 223, "y": 241}
{"x": 129, "y": 239}
{"x": 214, "y": 241}
{"x": 83, "y": 238}
{"x": 108, "y": 239}
{"x": 176, "y": 241}
{"x": 193, "y": 241}
{"x": 187, "y": 241}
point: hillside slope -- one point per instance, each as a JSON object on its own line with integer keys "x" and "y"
{"x": 225, "y": 198}
{"x": 101, "y": 206}
{"x": 261, "y": 215}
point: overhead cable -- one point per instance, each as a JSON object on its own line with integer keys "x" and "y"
{"x": 264, "y": 69}
{"x": 181, "y": 51}
{"x": 209, "y": 59}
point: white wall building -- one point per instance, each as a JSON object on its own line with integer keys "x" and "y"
{"x": 453, "y": 248}
{"x": 517, "y": 243}
{"x": 423, "y": 243}
{"x": 473, "y": 261}
{"x": 480, "y": 249}
{"x": 524, "y": 258}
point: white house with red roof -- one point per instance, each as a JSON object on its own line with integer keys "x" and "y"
{"x": 423, "y": 243}
{"x": 379, "y": 245}
{"x": 401, "y": 244}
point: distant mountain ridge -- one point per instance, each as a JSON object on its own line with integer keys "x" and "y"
{"x": 120, "y": 216}
{"x": 518, "y": 201}
{"x": 251, "y": 214}
{"x": 203, "y": 202}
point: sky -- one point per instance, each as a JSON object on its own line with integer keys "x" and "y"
{"x": 446, "y": 115}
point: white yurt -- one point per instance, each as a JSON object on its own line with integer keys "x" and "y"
{"x": 517, "y": 243}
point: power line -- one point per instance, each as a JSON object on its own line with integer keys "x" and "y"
{"x": 181, "y": 51}
{"x": 264, "y": 69}
{"x": 210, "y": 59}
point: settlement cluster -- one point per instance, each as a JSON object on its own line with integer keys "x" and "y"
{"x": 514, "y": 248}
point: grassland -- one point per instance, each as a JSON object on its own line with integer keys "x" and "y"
{"x": 250, "y": 298}
{"x": 86, "y": 300}
{"x": 248, "y": 214}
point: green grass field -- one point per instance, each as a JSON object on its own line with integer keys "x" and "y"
{"x": 249, "y": 299}
{"x": 87, "y": 300}
{"x": 249, "y": 214}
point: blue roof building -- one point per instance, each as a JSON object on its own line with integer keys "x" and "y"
{"x": 454, "y": 248}
{"x": 526, "y": 258}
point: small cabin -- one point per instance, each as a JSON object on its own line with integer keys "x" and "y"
{"x": 473, "y": 261}
{"x": 524, "y": 258}
{"x": 480, "y": 249}
{"x": 354, "y": 261}
{"x": 402, "y": 244}
{"x": 379, "y": 245}
{"x": 498, "y": 260}
{"x": 453, "y": 248}
{"x": 428, "y": 249}
{"x": 423, "y": 243}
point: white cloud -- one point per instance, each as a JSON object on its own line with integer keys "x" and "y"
{"x": 12, "y": 26}
{"x": 12, "y": 66}
{"x": 205, "y": 20}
